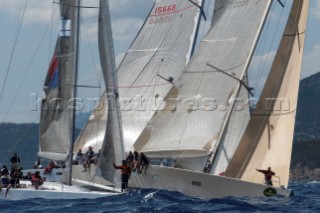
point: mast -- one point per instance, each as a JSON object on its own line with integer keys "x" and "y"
{"x": 241, "y": 83}
{"x": 76, "y": 36}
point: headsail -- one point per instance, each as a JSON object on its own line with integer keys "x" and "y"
{"x": 268, "y": 138}
{"x": 202, "y": 95}
{"x": 157, "y": 57}
{"x": 56, "y": 116}
{"x": 93, "y": 132}
{"x": 232, "y": 135}
{"x": 112, "y": 148}
{"x": 172, "y": 23}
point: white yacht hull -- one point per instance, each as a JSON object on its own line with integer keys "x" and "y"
{"x": 199, "y": 184}
{"x": 54, "y": 187}
{"x": 51, "y": 190}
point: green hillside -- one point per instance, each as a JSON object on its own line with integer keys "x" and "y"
{"x": 19, "y": 138}
{"x": 22, "y": 139}
{"x": 308, "y": 116}
{"x": 305, "y": 161}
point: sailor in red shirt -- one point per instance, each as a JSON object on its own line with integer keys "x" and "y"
{"x": 37, "y": 180}
{"x": 267, "y": 175}
{"x": 125, "y": 174}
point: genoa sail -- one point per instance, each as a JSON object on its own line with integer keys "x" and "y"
{"x": 167, "y": 34}
{"x": 112, "y": 148}
{"x": 94, "y": 131}
{"x": 56, "y": 116}
{"x": 155, "y": 59}
{"x": 267, "y": 141}
{"x": 234, "y": 130}
{"x": 198, "y": 105}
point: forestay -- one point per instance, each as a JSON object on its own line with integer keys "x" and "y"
{"x": 268, "y": 138}
{"x": 160, "y": 51}
{"x": 198, "y": 105}
{"x": 56, "y": 113}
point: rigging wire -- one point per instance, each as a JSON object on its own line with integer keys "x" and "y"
{"x": 13, "y": 51}
{"x": 20, "y": 84}
{"x": 25, "y": 74}
{"x": 263, "y": 64}
{"x": 263, "y": 42}
{"x": 21, "y": 138}
{"x": 51, "y": 33}
{"x": 97, "y": 74}
{"x": 77, "y": 142}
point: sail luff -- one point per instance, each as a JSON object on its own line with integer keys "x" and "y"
{"x": 112, "y": 148}
{"x": 56, "y": 117}
{"x": 195, "y": 33}
{"x": 267, "y": 140}
{"x": 72, "y": 137}
{"x": 242, "y": 78}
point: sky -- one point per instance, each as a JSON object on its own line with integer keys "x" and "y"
{"x": 27, "y": 65}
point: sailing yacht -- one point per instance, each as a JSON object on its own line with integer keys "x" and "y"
{"x": 57, "y": 120}
{"x": 199, "y": 140}
{"x": 157, "y": 56}
{"x": 204, "y": 143}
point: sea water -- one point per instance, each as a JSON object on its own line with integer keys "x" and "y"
{"x": 306, "y": 199}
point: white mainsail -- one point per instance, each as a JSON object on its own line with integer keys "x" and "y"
{"x": 157, "y": 56}
{"x": 56, "y": 113}
{"x": 203, "y": 96}
{"x": 268, "y": 138}
{"x": 167, "y": 34}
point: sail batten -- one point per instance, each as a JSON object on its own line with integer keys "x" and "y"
{"x": 267, "y": 141}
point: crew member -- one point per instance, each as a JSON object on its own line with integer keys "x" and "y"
{"x": 125, "y": 174}
{"x": 267, "y": 175}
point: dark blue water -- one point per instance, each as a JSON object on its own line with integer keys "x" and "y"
{"x": 306, "y": 199}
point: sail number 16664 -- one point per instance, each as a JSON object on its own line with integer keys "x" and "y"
{"x": 165, "y": 9}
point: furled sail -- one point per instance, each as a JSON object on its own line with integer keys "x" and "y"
{"x": 155, "y": 59}
{"x": 268, "y": 138}
{"x": 198, "y": 105}
{"x": 112, "y": 148}
{"x": 56, "y": 116}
